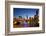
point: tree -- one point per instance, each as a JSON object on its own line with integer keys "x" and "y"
{"x": 36, "y": 20}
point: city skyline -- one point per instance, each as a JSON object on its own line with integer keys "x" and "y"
{"x": 22, "y": 17}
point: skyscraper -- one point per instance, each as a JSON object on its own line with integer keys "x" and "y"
{"x": 37, "y": 11}
{"x": 27, "y": 16}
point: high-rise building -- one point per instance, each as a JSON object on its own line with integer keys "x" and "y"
{"x": 20, "y": 16}
{"x": 27, "y": 16}
{"x": 37, "y": 11}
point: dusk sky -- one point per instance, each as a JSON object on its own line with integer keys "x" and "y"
{"x": 30, "y": 12}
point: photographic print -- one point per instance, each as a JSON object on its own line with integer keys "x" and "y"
{"x": 25, "y": 17}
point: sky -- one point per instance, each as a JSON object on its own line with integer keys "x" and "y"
{"x": 30, "y": 12}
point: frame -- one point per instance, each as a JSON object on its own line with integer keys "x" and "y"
{"x": 14, "y": 4}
